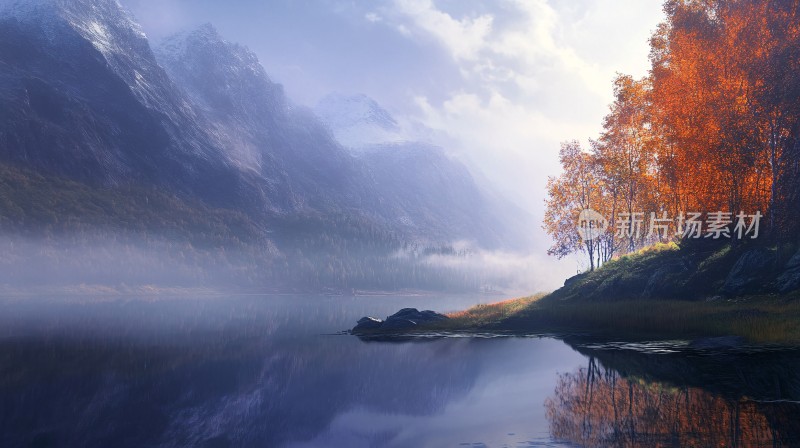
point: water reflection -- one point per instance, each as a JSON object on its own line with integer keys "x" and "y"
{"x": 258, "y": 373}
{"x": 626, "y": 398}
{"x": 269, "y": 372}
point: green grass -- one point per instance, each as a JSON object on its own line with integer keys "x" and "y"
{"x": 762, "y": 320}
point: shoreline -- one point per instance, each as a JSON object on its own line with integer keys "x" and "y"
{"x": 771, "y": 320}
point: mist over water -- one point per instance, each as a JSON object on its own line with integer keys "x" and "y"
{"x": 274, "y": 371}
{"x": 120, "y": 262}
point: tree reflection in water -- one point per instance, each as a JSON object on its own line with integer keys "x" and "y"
{"x": 596, "y": 406}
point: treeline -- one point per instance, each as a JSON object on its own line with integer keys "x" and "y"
{"x": 712, "y": 128}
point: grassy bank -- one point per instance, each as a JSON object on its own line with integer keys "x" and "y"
{"x": 691, "y": 290}
{"x": 757, "y": 319}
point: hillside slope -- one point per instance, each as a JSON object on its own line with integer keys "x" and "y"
{"x": 692, "y": 271}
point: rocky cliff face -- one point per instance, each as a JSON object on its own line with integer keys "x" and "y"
{"x": 300, "y": 165}
{"x": 83, "y": 97}
{"x": 358, "y": 121}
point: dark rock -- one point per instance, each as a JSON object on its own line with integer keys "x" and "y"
{"x": 608, "y": 288}
{"x": 789, "y": 280}
{"x": 718, "y": 342}
{"x": 418, "y": 316}
{"x": 574, "y": 279}
{"x": 397, "y": 323}
{"x": 749, "y": 272}
{"x": 402, "y": 320}
{"x": 666, "y": 281}
{"x": 367, "y": 323}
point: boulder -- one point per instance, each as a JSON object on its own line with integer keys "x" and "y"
{"x": 397, "y": 323}
{"x": 367, "y": 323}
{"x": 789, "y": 280}
{"x": 608, "y": 289}
{"x": 575, "y": 279}
{"x": 749, "y": 274}
{"x": 404, "y": 319}
{"x": 418, "y": 316}
{"x": 666, "y": 281}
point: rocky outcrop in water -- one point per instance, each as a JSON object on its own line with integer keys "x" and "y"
{"x": 405, "y": 319}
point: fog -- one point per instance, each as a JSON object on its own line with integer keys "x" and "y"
{"x": 498, "y": 85}
{"x": 104, "y": 263}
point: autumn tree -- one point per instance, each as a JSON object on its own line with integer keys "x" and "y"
{"x": 625, "y": 157}
{"x": 725, "y": 102}
{"x": 576, "y": 189}
{"x": 715, "y": 126}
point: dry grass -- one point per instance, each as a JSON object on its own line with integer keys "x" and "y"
{"x": 492, "y": 313}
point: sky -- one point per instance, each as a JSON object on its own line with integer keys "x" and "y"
{"x": 500, "y": 83}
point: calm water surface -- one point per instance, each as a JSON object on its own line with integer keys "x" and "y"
{"x": 271, "y": 371}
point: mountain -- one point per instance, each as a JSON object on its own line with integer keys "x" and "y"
{"x": 358, "y": 121}
{"x": 411, "y": 187}
{"x": 302, "y": 166}
{"x": 82, "y": 96}
{"x": 429, "y": 190}
{"x": 190, "y": 157}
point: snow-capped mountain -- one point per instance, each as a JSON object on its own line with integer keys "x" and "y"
{"x": 83, "y": 97}
{"x": 425, "y": 186}
{"x": 358, "y": 121}
{"x": 421, "y": 187}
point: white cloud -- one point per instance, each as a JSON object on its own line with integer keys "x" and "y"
{"x": 540, "y": 77}
{"x": 372, "y": 17}
{"x": 464, "y": 38}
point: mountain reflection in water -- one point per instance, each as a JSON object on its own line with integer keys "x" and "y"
{"x": 268, "y": 371}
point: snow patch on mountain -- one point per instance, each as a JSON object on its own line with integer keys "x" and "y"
{"x": 111, "y": 30}
{"x": 357, "y": 121}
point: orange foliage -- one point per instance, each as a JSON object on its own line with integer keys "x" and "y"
{"x": 599, "y": 408}
{"x": 713, "y": 127}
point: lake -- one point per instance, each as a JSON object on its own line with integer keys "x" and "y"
{"x": 275, "y": 371}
